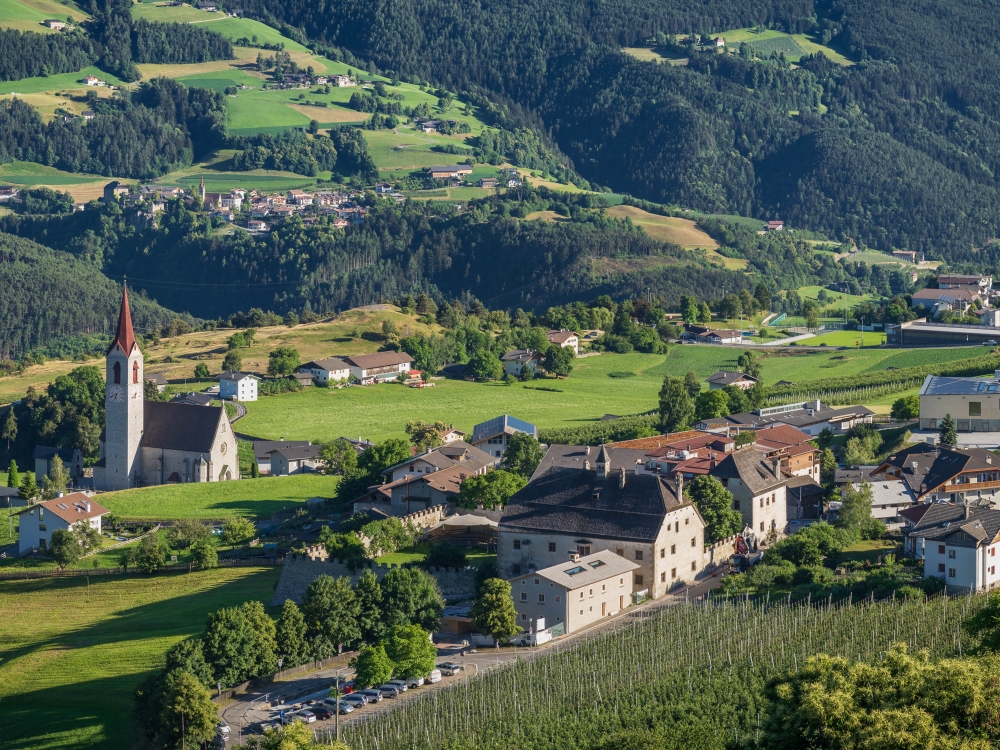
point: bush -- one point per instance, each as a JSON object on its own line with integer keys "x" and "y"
{"x": 812, "y": 574}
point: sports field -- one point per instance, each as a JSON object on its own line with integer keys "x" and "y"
{"x": 72, "y": 651}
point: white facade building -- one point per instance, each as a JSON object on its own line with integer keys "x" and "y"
{"x": 238, "y": 386}
{"x": 38, "y": 521}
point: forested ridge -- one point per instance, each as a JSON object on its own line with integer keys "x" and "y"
{"x": 904, "y": 155}
{"x": 50, "y": 293}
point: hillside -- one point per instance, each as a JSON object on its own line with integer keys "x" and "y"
{"x": 48, "y": 293}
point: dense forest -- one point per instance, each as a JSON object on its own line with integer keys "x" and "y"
{"x": 487, "y": 251}
{"x": 160, "y": 127}
{"x": 899, "y": 150}
{"x": 113, "y": 41}
{"x": 57, "y": 293}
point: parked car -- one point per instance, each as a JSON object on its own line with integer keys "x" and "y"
{"x": 372, "y": 694}
{"x": 322, "y": 712}
{"x": 390, "y": 691}
{"x": 450, "y": 668}
{"x": 306, "y": 715}
{"x": 357, "y": 699}
{"x": 346, "y": 708}
{"x": 222, "y": 728}
{"x": 268, "y": 726}
{"x": 218, "y": 743}
{"x": 434, "y": 676}
{"x": 414, "y": 682}
{"x": 401, "y": 684}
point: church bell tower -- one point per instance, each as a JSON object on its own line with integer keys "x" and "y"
{"x": 124, "y": 405}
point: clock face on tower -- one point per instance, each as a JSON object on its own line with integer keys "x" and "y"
{"x": 116, "y": 393}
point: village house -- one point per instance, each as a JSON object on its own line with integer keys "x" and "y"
{"x": 798, "y": 456}
{"x": 327, "y": 370}
{"x": 758, "y": 489}
{"x": 53, "y": 23}
{"x": 262, "y": 450}
{"x": 299, "y": 459}
{"x": 115, "y": 190}
{"x": 342, "y": 81}
{"x": 721, "y": 336}
{"x": 571, "y": 595}
{"x": 583, "y": 502}
{"x": 979, "y": 283}
{"x": 774, "y": 226}
{"x": 238, "y": 386}
{"x": 565, "y": 339}
{"x": 194, "y": 399}
{"x": 516, "y": 360}
{"x": 379, "y": 367}
{"x": 158, "y": 379}
{"x": 7, "y": 192}
{"x": 487, "y": 182}
{"x": 71, "y": 458}
{"x": 941, "y": 474}
{"x": 957, "y": 544}
{"x": 935, "y": 301}
{"x": 725, "y": 378}
{"x": 93, "y": 81}
{"x": 38, "y": 521}
{"x": 256, "y": 226}
{"x": 491, "y": 436}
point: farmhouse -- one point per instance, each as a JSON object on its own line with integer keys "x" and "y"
{"x": 262, "y": 450}
{"x": 71, "y": 458}
{"x": 722, "y": 336}
{"x": 492, "y": 436}
{"x": 93, "y": 81}
{"x": 565, "y": 339}
{"x": 573, "y": 505}
{"x": 570, "y": 595}
{"x": 371, "y": 368}
{"x": 725, "y": 378}
{"x": 455, "y": 170}
{"x": 152, "y": 442}
{"x": 53, "y": 23}
{"x": 910, "y": 256}
{"x": 516, "y": 360}
{"x": 299, "y": 459}
{"x": 342, "y": 81}
{"x": 326, "y": 370}
{"x": 158, "y": 379}
{"x": 238, "y": 386}
{"x": 38, "y": 521}
{"x": 487, "y": 182}
{"x": 114, "y": 190}
{"x": 774, "y": 226}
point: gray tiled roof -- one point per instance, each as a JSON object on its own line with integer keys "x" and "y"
{"x": 455, "y": 453}
{"x": 727, "y": 377}
{"x": 943, "y": 519}
{"x": 500, "y": 425}
{"x": 929, "y": 465}
{"x": 574, "y": 456}
{"x": 575, "y": 501}
{"x": 262, "y": 448}
{"x": 588, "y": 570}
{"x": 180, "y": 426}
{"x": 747, "y": 465}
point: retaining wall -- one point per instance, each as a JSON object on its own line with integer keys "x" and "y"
{"x": 299, "y": 571}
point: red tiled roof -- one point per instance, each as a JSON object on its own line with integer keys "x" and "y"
{"x": 73, "y": 508}
{"x": 125, "y": 337}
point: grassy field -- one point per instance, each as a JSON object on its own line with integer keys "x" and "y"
{"x": 72, "y": 651}
{"x": 58, "y": 82}
{"x": 259, "y": 498}
{"x": 27, "y": 15}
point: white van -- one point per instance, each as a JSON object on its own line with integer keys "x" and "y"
{"x": 434, "y": 676}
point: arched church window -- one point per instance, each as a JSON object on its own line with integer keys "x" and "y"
{"x": 135, "y": 372}
{"x": 117, "y": 369}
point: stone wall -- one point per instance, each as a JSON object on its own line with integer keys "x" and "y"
{"x": 299, "y": 571}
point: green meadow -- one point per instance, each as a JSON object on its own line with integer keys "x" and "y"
{"x": 73, "y": 650}
{"x": 56, "y": 82}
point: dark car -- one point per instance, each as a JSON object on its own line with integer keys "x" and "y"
{"x": 322, "y": 712}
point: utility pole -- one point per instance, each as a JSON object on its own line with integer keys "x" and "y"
{"x": 337, "y": 717}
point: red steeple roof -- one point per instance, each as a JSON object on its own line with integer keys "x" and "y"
{"x": 125, "y": 337}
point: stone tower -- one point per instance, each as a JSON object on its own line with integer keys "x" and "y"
{"x": 123, "y": 400}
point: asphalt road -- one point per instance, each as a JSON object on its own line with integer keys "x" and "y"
{"x": 247, "y": 710}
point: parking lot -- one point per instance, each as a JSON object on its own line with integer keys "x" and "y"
{"x": 247, "y": 714}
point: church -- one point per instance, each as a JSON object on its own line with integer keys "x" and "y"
{"x": 154, "y": 442}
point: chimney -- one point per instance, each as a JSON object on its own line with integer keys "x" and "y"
{"x": 818, "y": 405}
{"x": 680, "y": 486}
{"x": 776, "y": 465}
{"x": 86, "y": 504}
{"x": 587, "y": 452}
{"x": 574, "y": 556}
{"x": 59, "y": 494}
{"x": 621, "y": 476}
{"x": 996, "y": 374}
{"x": 586, "y": 465}
{"x": 968, "y": 511}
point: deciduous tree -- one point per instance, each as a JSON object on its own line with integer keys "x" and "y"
{"x": 491, "y": 490}
{"x": 676, "y": 407}
{"x": 291, "y": 636}
{"x": 372, "y": 666}
{"x": 411, "y": 595}
{"x": 188, "y": 716}
{"x": 410, "y": 650}
{"x": 331, "y": 611}
{"x": 715, "y": 503}
{"x": 523, "y": 454}
{"x": 493, "y": 612}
